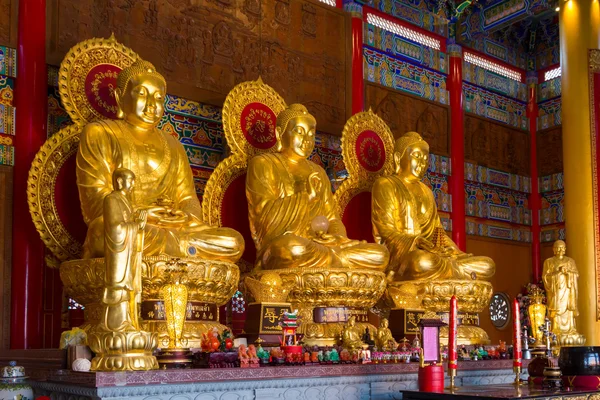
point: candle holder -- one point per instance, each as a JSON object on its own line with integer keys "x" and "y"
{"x": 452, "y": 375}
{"x": 517, "y": 371}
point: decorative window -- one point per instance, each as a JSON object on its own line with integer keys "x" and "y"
{"x": 403, "y": 31}
{"x": 329, "y": 2}
{"x": 238, "y": 304}
{"x": 492, "y": 66}
{"x": 73, "y": 305}
{"x": 552, "y": 73}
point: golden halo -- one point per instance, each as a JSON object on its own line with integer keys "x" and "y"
{"x": 88, "y": 75}
{"x": 249, "y": 106}
{"x": 43, "y": 174}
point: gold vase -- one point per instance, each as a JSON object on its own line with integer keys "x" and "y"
{"x": 537, "y": 315}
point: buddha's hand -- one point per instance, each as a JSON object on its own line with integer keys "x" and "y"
{"x": 423, "y": 243}
{"x": 141, "y": 219}
{"x": 314, "y": 186}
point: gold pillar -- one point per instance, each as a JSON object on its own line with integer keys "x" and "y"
{"x": 579, "y": 31}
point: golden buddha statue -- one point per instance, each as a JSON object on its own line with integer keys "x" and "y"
{"x": 352, "y": 336}
{"x": 560, "y": 277}
{"x": 293, "y": 218}
{"x": 405, "y": 219}
{"x": 384, "y": 339}
{"x": 165, "y": 187}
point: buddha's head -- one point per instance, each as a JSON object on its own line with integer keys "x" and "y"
{"x": 352, "y": 321}
{"x": 411, "y": 156}
{"x": 384, "y": 323}
{"x": 559, "y": 248}
{"x": 296, "y": 132}
{"x": 140, "y": 94}
{"x": 123, "y": 179}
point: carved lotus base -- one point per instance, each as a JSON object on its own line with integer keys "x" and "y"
{"x": 122, "y": 351}
{"x": 192, "y": 331}
{"x": 207, "y": 281}
{"x": 331, "y": 287}
{"x": 473, "y": 296}
{"x": 467, "y": 335}
{"x": 573, "y": 339}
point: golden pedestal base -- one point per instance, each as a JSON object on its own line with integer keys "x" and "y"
{"x": 467, "y": 335}
{"x": 574, "y": 339}
{"x": 473, "y": 296}
{"x": 122, "y": 351}
{"x": 329, "y": 287}
{"x": 207, "y": 282}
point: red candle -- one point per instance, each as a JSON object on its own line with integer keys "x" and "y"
{"x": 517, "y": 351}
{"x": 452, "y": 332}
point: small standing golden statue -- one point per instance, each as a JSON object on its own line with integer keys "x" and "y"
{"x": 293, "y": 218}
{"x": 560, "y": 277}
{"x": 384, "y": 339}
{"x": 117, "y": 340}
{"x": 405, "y": 219}
{"x": 352, "y": 336}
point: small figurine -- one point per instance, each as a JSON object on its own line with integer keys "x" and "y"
{"x": 263, "y": 355}
{"x": 345, "y": 356}
{"x": 314, "y": 357}
{"x": 351, "y": 335}
{"x": 502, "y": 351}
{"x": 252, "y": 356}
{"x": 306, "y": 357}
{"x": 243, "y": 356}
{"x": 367, "y": 338}
{"x": 334, "y": 356}
{"x": 277, "y": 355}
{"x": 384, "y": 339}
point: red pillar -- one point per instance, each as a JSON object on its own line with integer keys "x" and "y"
{"x": 535, "y": 202}
{"x": 357, "y": 65}
{"x": 457, "y": 148}
{"x": 31, "y": 101}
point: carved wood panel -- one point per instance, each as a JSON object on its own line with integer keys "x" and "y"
{"x": 549, "y": 152}
{"x": 205, "y": 47}
{"x": 8, "y": 22}
{"x": 404, "y": 113}
{"x": 496, "y": 146}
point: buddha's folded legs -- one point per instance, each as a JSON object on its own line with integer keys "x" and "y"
{"x": 364, "y": 255}
{"x": 211, "y": 243}
{"x": 291, "y": 251}
{"x": 483, "y": 267}
{"x": 422, "y": 264}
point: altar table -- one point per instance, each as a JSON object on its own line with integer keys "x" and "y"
{"x": 330, "y": 382}
{"x": 503, "y": 392}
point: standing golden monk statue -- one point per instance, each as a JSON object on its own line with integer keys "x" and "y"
{"x": 293, "y": 218}
{"x": 165, "y": 186}
{"x": 117, "y": 340}
{"x": 560, "y": 280}
{"x": 406, "y": 220}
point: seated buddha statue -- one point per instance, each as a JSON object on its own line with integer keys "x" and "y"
{"x": 164, "y": 183}
{"x": 405, "y": 219}
{"x": 293, "y": 217}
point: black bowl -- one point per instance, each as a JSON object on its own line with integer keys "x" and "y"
{"x": 580, "y": 360}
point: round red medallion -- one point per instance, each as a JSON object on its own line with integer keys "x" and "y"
{"x": 258, "y": 123}
{"x": 370, "y": 151}
{"x": 100, "y": 86}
